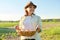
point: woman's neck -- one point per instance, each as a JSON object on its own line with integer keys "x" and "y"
{"x": 29, "y": 14}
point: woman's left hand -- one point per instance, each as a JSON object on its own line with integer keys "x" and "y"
{"x": 38, "y": 30}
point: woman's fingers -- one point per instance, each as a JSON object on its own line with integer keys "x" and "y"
{"x": 38, "y": 30}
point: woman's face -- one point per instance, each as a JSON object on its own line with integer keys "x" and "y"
{"x": 30, "y": 9}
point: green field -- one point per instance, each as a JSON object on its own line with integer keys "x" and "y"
{"x": 50, "y": 30}
{"x": 7, "y": 24}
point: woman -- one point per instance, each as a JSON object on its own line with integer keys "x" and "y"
{"x": 30, "y": 23}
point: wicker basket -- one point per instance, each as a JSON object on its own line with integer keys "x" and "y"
{"x": 27, "y": 33}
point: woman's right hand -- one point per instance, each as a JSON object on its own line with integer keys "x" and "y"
{"x": 17, "y": 29}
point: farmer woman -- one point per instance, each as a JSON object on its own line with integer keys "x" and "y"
{"x": 30, "y": 24}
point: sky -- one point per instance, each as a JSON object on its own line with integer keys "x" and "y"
{"x": 12, "y": 10}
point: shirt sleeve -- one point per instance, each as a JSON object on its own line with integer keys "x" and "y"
{"x": 39, "y": 23}
{"x": 20, "y": 22}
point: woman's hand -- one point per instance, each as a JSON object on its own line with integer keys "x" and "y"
{"x": 17, "y": 29}
{"x": 38, "y": 29}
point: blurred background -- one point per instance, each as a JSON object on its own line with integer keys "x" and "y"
{"x": 12, "y": 10}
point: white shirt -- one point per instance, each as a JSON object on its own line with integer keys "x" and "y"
{"x": 30, "y": 23}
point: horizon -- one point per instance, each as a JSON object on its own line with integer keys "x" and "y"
{"x": 18, "y": 20}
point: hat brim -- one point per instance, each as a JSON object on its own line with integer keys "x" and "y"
{"x": 30, "y": 5}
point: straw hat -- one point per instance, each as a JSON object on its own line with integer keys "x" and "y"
{"x": 30, "y": 4}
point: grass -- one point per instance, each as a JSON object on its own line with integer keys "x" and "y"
{"x": 7, "y": 24}
{"x": 51, "y": 34}
{"x": 51, "y": 31}
{"x": 7, "y": 33}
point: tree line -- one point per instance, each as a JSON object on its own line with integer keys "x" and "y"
{"x": 43, "y": 20}
{"x": 51, "y": 20}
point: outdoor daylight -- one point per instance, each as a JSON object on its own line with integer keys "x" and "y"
{"x": 29, "y": 19}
